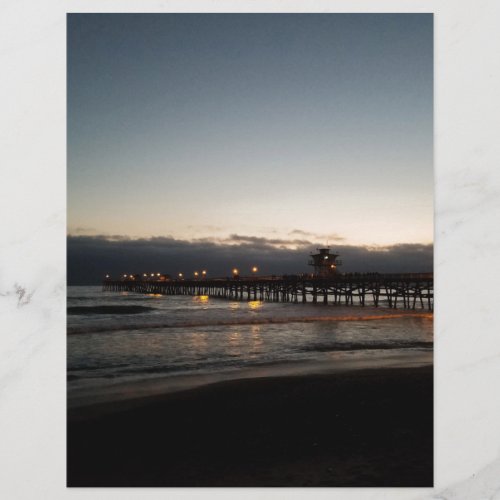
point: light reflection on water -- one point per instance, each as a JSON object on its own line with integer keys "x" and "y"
{"x": 257, "y": 340}
{"x": 255, "y": 305}
{"x": 203, "y": 299}
{"x": 197, "y": 341}
{"x": 234, "y": 344}
{"x": 193, "y": 340}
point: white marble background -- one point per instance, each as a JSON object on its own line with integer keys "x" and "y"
{"x": 32, "y": 247}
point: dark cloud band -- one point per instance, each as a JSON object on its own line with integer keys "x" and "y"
{"x": 91, "y": 257}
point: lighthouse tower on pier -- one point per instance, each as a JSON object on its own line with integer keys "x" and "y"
{"x": 324, "y": 263}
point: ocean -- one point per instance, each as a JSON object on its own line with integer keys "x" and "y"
{"x": 122, "y": 345}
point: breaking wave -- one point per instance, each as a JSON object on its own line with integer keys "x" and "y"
{"x": 344, "y": 346}
{"x": 108, "y": 309}
{"x": 77, "y": 330}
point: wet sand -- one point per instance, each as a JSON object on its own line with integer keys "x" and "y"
{"x": 358, "y": 428}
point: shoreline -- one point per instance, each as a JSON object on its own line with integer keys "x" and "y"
{"x": 366, "y": 427}
{"x": 128, "y": 393}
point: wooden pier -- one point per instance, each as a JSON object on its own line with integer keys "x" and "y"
{"x": 407, "y": 291}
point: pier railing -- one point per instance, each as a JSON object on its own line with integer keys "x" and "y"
{"x": 404, "y": 290}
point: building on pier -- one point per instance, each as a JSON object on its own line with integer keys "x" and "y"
{"x": 324, "y": 263}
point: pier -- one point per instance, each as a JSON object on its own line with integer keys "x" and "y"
{"x": 406, "y": 291}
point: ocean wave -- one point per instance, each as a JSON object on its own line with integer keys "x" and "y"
{"x": 191, "y": 367}
{"x": 77, "y": 330}
{"x": 230, "y": 362}
{"x": 108, "y": 309}
{"x": 365, "y": 346}
{"x": 86, "y": 367}
{"x": 72, "y": 378}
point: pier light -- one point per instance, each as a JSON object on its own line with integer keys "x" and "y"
{"x": 152, "y": 275}
{"x": 157, "y": 274}
{"x": 254, "y": 269}
{"x": 107, "y": 275}
{"x": 145, "y": 275}
{"x": 196, "y": 273}
{"x": 204, "y": 273}
{"x": 180, "y": 275}
{"x": 235, "y": 271}
{"x": 124, "y": 275}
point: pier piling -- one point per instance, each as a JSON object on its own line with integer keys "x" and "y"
{"x": 407, "y": 291}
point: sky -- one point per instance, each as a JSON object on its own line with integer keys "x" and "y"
{"x": 223, "y": 129}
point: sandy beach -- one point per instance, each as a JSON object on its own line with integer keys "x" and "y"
{"x": 369, "y": 427}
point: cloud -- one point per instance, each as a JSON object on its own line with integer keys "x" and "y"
{"x": 265, "y": 242}
{"x": 91, "y": 257}
{"x": 83, "y": 229}
{"x": 206, "y": 227}
{"x": 300, "y": 233}
{"x": 333, "y": 237}
{"x": 318, "y": 237}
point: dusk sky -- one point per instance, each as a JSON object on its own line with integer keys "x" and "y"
{"x": 289, "y": 128}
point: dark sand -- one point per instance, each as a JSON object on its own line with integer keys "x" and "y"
{"x": 365, "y": 428}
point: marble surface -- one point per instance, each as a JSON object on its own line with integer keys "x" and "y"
{"x": 32, "y": 248}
